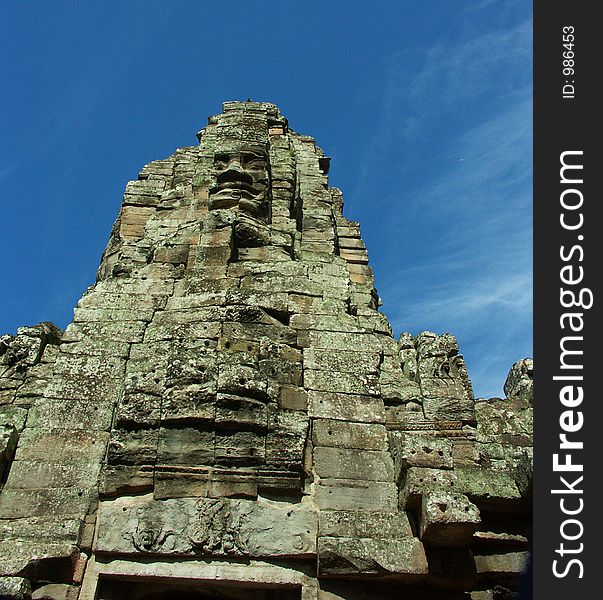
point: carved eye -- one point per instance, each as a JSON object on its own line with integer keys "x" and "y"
{"x": 253, "y": 161}
{"x": 221, "y": 161}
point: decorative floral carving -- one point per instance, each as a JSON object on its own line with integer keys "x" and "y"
{"x": 149, "y": 534}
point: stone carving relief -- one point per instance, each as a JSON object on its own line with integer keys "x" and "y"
{"x": 441, "y": 368}
{"x": 216, "y": 530}
{"x": 447, "y": 369}
{"x": 408, "y": 357}
{"x": 150, "y": 535}
{"x": 205, "y": 527}
{"x": 241, "y": 181}
{"x": 520, "y": 381}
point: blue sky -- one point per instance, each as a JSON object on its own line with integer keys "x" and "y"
{"x": 424, "y": 107}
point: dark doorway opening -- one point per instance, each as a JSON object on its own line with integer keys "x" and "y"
{"x": 179, "y": 589}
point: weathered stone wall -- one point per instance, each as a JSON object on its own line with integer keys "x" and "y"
{"x": 228, "y": 405}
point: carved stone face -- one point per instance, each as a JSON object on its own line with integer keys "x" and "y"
{"x": 241, "y": 181}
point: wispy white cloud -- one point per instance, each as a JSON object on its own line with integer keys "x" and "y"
{"x": 456, "y": 83}
{"x": 459, "y": 134}
{"x": 501, "y": 5}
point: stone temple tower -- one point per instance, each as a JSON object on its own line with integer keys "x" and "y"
{"x": 228, "y": 415}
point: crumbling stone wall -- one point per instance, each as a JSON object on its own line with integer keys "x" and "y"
{"x": 228, "y": 405}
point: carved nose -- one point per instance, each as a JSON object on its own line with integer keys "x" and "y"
{"x": 234, "y": 164}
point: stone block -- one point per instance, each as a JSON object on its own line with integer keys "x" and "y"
{"x": 270, "y": 350}
{"x": 265, "y": 253}
{"x": 354, "y": 256}
{"x": 13, "y": 416}
{"x": 257, "y": 331}
{"x": 192, "y": 404}
{"x": 360, "y": 524}
{"x": 176, "y": 254}
{"x": 156, "y": 287}
{"x": 56, "y": 591}
{"x": 173, "y": 483}
{"x": 15, "y": 588}
{"x": 354, "y": 494}
{"x": 467, "y": 453}
{"x": 138, "y": 447}
{"x": 63, "y": 445}
{"x": 343, "y": 361}
{"x": 345, "y": 407}
{"x": 337, "y": 382}
{"x": 497, "y": 540}
{"x": 146, "y": 187}
{"x": 506, "y": 566}
{"x": 343, "y": 434}
{"x": 38, "y": 561}
{"x": 446, "y": 408}
{"x": 71, "y": 413}
{"x": 44, "y": 528}
{"x": 351, "y": 243}
{"x": 488, "y": 488}
{"x": 125, "y": 480}
{"x": 447, "y": 519}
{"x": 205, "y": 317}
{"x": 196, "y": 300}
{"x": 413, "y": 450}
{"x": 483, "y": 595}
{"x": 112, "y": 295}
{"x": 133, "y": 221}
{"x": 112, "y": 314}
{"x": 22, "y": 503}
{"x": 231, "y": 485}
{"x": 87, "y": 389}
{"x": 299, "y": 303}
{"x": 332, "y": 341}
{"x": 240, "y": 448}
{"x": 238, "y": 412}
{"x": 37, "y": 474}
{"x": 283, "y": 371}
{"x": 97, "y": 347}
{"x": 344, "y": 463}
{"x": 158, "y": 332}
{"x": 341, "y": 322}
{"x": 146, "y": 373}
{"x": 402, "y": 557}
{"x": 285, "y": 450}
{"x": 185, "y": 446}
{"x": 242, "y": 380}
{"x": 350, "y": 230}
{"x": 266, "y": 299}
{"x": 138, "y": 410}
{"x": 293, "y": 398}
{"x": 128, "y": 332}
{"x": 419, "y": 481}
